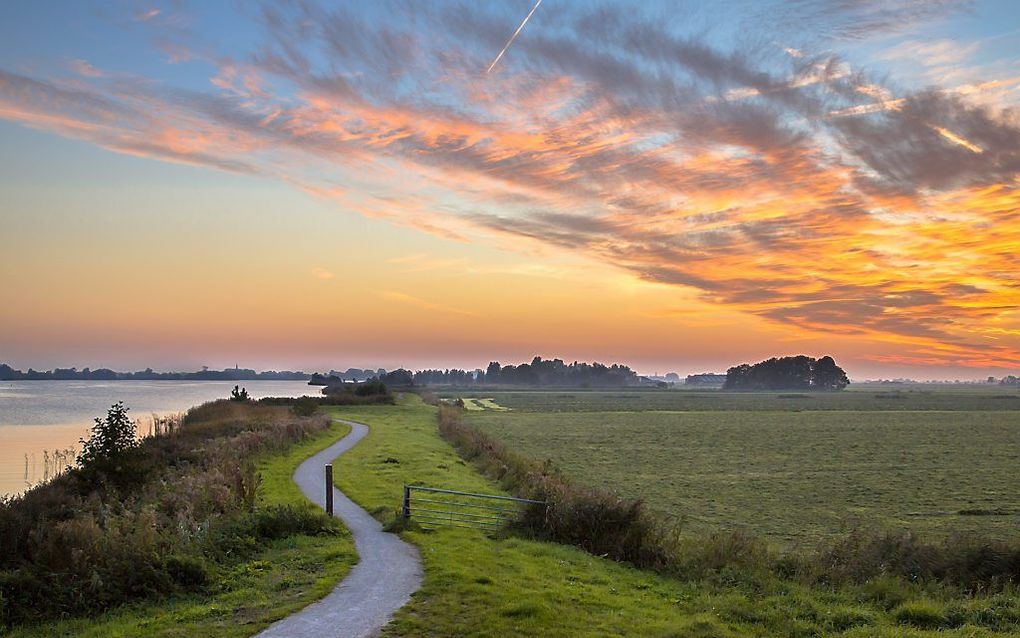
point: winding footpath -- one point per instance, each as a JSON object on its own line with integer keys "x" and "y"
{"x": 388, "y": 571}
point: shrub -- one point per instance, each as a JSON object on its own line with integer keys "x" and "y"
{"x": 110, "y": 437}
{"x": 189, "y": 573}
{"x": 965, "y": 561}
{"x": 887, "y": 591}
{"x": 305, "y": 406}
{"x": 286, "y": 520}
{"x": 373, "y": 387}
{"x": 923, "y": 614}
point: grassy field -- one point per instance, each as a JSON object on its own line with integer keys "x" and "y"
{"x": 472, "y": 403}
{"x": 285, "y": 577}
{"x": 793, "y": 476}
{"x": 493, "y": 585}
{"x": 858, "y": 399}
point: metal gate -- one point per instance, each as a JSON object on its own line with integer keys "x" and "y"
{"x": 431, "y": 506}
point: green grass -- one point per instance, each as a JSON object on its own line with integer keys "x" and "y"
{"x": 286, "y": 576}
{"x": 858, "y": 399}
{"x": 794, "y": 477}
{"x": 492, "y": 585}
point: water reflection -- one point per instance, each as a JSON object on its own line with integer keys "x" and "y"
{"x": 38, "y": 418}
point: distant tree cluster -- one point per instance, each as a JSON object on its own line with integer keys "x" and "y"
{"x": 350, "y": 393}
{"x": 350, "y": 375}
{"x": 787, "y": 373}
{"x": 540, "y": 372}
{"x": 554, "y": 372}
{"x": 1010, "y": 380}
{"x": 705, "y": 379}
{"x": 7, "y": 373}
{"x": 445, "y": 377}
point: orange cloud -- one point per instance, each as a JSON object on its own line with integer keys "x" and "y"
{"x": 811, "y": 198}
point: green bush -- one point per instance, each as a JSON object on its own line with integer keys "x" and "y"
{"x": 373, "y": 387}
{"x": 189, "y": 573}
{"x": 886, "y": 591}
{"x": 110, "y": 436}
{"x": 844, "y": 618}
{"x": 923, "y": 614}
{"x": 305, "y": 406}
{"x": 287, "y": 520}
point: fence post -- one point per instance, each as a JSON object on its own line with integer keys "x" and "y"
{"x": 405, "y": 510}
{"x": 329, "y": 489}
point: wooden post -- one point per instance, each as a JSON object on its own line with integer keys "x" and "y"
{"x": 329, "y": 489}
{"x": 405, "y": 510}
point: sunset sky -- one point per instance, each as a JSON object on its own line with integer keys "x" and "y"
{"x": 676, "y": 186}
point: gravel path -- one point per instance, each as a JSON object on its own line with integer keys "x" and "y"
{"x": 388, "y": 572}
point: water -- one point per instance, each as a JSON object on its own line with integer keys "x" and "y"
{"x": 44, "y": 416}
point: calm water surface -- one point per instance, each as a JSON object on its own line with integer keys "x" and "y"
{"x": 43, "y": 416}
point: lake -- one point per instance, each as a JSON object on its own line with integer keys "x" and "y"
{"x": 40, "y": 417}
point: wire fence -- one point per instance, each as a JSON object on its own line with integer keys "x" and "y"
{"x": 432, "y": 506}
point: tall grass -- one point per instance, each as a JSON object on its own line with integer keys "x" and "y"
{"x": 163, "y": 518}
{"x": 597, "y": 521}
{"x": 605, "y": 524}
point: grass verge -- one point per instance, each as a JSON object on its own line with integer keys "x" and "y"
{"x": 287, "y": 575}
{"x": 497, "y": 585}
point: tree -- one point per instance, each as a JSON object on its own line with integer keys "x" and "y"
{"x": 787, "y": 373}
{"x": 492, "y": 372}
{"x": 826, "y": 375}
{"x": 239, "y": 394}
{"x": 110, "y": 438}
{"x": 371, "y": 388}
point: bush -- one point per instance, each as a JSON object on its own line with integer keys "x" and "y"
{"x": 374, "y": 387}
{"x": 189, "y": 573}
{"x": 110, "y": 438}
{"x": 373, "y": 392}
{"x": 965, "y": 561}
{"x": 922, "y": 614}
{"x": 287, "y": 520}
{"x": 304, "y": 406}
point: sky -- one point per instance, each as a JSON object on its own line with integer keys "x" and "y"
{"x": 679, "y": 186}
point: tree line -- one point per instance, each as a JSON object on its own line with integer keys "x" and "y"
{"x": 7, "y": 373}
{"x": 787, "y": 373}
{"x": 540, "y": 372}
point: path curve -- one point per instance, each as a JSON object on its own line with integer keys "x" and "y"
{"x": 388, "y": 571}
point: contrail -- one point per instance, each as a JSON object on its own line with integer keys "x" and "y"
{"x": 513, "y": 37}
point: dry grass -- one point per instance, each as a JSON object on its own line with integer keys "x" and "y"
{"x": 159, "y": 519}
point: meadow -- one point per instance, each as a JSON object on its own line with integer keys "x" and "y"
{"x": 484, "y": 584}
{"x": 858, "y": 398}
{"x": 798, "y": 475}
{"x": 513, "y": 583}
